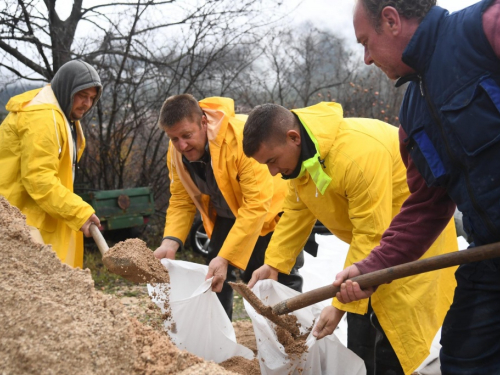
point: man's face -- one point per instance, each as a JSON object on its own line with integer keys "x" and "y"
{"x": 280, "y": 157}
{"x": 189, "y": 137}
{"x": 383, "y": 48}
{"x": 82, "y": 102}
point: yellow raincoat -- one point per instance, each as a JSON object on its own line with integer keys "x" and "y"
{"x": 366, "y": 190}
{"x": 253, "y": 195}
{"x": 36, "y": 149}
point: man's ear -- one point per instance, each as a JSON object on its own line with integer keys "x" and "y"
{"x": 294, "y": 136}
{"x": 391, "y": 20}
{"x": 204, "y": 122}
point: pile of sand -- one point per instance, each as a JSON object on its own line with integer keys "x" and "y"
{"x": 53, "y": 321}
{"x": 242, "y": 365}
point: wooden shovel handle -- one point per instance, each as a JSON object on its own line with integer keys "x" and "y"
{"x": 98, "y": 238}
{"x": 386, "y": 275}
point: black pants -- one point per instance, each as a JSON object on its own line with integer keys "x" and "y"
{"x": 221, "y": 229}
{"x": 471, "y": 330}
{"x": 367, "y": 339}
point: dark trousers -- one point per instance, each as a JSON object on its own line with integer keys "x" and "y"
{"x": 470, "y": 336}
{"x": 367, "y": 339}
{"x": 221, "y": 229}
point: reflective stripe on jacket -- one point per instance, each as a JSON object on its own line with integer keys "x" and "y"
{"x": 36, "y": 161}
{"x": 367, "y": 189}
{"x": 253, "y": 195}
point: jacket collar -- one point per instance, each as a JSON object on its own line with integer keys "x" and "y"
{"x": 218, "y": 111}
{"x": 307, "y": 151}
{"x": 419, "y": 50}
{"x": 321, "y": 122}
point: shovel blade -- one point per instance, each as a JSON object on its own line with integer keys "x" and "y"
{"x": 129, "y": 270}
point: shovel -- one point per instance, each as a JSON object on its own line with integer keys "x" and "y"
{"x": 99, "y": 239}
{"x": 383, "y": 276}
{"x": 128, "y": 268}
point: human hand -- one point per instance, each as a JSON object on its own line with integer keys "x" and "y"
{"x": 350, "y": 291}
{"x": 328, "y": 321}
{"x": 218, "y": 270}
{"x": 86, "y": 226}
{"x": 262, "y": 273}
{"x": 167, "y": 249}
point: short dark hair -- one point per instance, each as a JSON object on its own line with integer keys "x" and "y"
{"x": 265, "y": 123}
{"x": 178, "y": 107}
{"x": 407, "y": 8}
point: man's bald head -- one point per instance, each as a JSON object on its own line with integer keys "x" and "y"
{"x": 267, "y": 123}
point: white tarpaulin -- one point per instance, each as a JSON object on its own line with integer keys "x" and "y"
{"x": 326, "y": 356}
{"x": 202, "y": 327}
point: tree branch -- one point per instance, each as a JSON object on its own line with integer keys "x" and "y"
{"x": 20, "y": 75}
{"x": 26, "y": 61}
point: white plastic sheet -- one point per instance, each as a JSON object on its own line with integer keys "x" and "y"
{"x": 326, "y": 356}
{"x": 202, "y": 326}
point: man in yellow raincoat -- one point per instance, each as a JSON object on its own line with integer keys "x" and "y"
{"x": 348, "y": 173}
{"x": 41, "y": 141}
{"x": 237, "y": 198}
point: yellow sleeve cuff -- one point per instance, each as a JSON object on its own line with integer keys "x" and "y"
{"x": 356, "y": 307}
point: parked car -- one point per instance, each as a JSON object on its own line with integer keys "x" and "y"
{"x": 199, "y": 240}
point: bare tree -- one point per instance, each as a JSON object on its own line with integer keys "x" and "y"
{"x": 369, "y": 94}
{"x": 298, "y": 65}
{"x": 147, "y": 50}
{"x": 144, "y": 51}
{"x": 34, "y": 39}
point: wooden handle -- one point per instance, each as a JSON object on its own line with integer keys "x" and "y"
{"x": 386, "y": 275}
{"x": 98, "y": 238}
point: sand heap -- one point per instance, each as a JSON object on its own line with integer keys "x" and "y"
{"x": 53, "y": 321}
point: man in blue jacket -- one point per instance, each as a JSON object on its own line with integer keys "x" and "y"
{"x": 450, "y": 141}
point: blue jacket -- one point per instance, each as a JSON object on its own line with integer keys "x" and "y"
{"x": 451, "y": 114}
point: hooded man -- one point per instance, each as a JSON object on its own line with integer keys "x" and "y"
{"x": 41, "y": 141}
{"x": 237, "y": 198}
{"x": 348, "y": 174}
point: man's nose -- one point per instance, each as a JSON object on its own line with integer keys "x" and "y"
{"x": 182, "y": 145}
{"x": 273, "y": 170}
{"x": 368, "y": 57}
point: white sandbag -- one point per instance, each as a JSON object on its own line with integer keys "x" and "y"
{"x": 321, "y": 270}
{"x": 326, "y": 356}
{"x": 202, "y": 327}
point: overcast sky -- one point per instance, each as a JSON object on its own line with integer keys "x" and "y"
{"x": 337, "y": 14}
{"x": 333, "y": 14}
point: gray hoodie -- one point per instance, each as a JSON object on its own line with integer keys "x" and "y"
{"x": 74, "y": 76}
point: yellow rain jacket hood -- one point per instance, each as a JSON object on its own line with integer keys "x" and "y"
{"x": 253, "y": 195}
{"x": 355, "y": 193}
{"x": 36, "y": 160}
